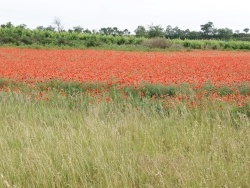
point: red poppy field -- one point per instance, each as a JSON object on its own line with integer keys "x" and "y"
{"x": 125, "y": 68}
{"x": 226, "y": 71}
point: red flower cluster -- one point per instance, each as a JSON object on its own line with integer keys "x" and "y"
{"x": 125, "y": 68}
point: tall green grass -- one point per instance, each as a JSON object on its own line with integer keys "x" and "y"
{"x": 73, "y": 141}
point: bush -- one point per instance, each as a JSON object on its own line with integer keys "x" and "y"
{"x": 7, "y": 40}
{"x": 26, "y": 40}
{"x": 93, "y": 41}
{"x": 157, "y": 43}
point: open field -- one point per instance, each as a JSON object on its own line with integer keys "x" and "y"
{"x": 96, "y": 118}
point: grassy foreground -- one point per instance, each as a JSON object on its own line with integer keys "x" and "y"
{"x": 71, "y": 142}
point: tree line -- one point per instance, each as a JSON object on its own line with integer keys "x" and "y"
{"x": 57, "y": 36}
{"x": 207, "y": 31}
{"x": 154, "y": 36}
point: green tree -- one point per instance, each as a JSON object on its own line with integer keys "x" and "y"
{"x": 177, "y": 32}
{"x": 87, "y": 31}
{"x": 194, "y": 35}
{"x": 115, "y": 31}
{"x": 110, "y": 31}
{"x": 224, "y": 33}
{"x": 50, "y": 28}
{"x": 126, "y": 32}
{"x": 7, "y": 25}
{"x": 155, "y": 31}
{"x": 169, "y": 32}
{"x": 237, "y": 32}
{"x": 22, "y": 26}
{"x": 103, "y": 31}
{"x": 78, "y": 29}
{"x": 246, "y": 30}
{"x": 207, "y": 29}
{"x": 141, "y": 31}
{"x": 41, "y": 28}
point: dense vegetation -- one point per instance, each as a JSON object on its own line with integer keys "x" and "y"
{"x": 22, "y": 36}
{"x": 66, "y": 135}
{"x": 154, "y": 37}
{"x": 208, "y": 31}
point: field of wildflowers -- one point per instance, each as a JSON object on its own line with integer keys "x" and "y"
{"x": 100, "y": 118}
{"x": 126, "y": 68}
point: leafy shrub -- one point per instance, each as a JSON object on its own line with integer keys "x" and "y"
{"x": 92, "y": 42}
{"x": 121, "y": 40}
{"x": 26, "y": 40}
{"x": 7, "y": 40}
{"x": 63, "y": 41}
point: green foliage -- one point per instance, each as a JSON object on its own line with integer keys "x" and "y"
{"x": 157, "y": 90}
{"x": 141, "y": 31}
{"x": 92, "y": 41}
{"x": 224, "y": 90}
{"x": 21, "y": 36}
{"x": 155, "y": 31}
{"x": 207, "y": 29}
{"x": 224, "y": 33}
{"x": 78, "y": 38}
{"x": 208, "y": 87}
{"x": 213, "y": 44}
{"x": 244, "y": 89}
{"x": 246, "y": 30}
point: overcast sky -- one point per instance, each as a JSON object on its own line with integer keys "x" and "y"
{"x": 128, "y": 14}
